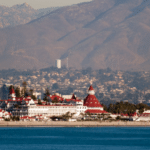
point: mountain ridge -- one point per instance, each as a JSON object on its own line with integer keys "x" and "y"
{"x": 97, "y": 34}
{"x": 20, "y": 14}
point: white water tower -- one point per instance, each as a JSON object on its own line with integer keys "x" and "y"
{"x": 58, "y": 63}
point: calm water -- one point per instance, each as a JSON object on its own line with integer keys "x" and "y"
{"x": 109, "y": 138}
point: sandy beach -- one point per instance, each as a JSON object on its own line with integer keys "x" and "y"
{"x": 72, "y": 124}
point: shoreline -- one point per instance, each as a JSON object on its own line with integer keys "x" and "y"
{"x": 74, "y": 124}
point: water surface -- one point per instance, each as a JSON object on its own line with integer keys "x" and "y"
{"x": 103, "y": 138}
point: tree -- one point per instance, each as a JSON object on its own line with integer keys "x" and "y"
{"x": 55, "y": 100}
{"x": 22, "y": 93}
{"x": 141, "y": 107}
{"x": 88, "y": 114}
{"x": 39, "y": 102}
{"x": 33, "y": 97}
{"x": 15, "y": 118}
{"x": 31, "y": 91}
{"x": 46, "y": 94}
{"x": 17, "y": 91}
{"x": 24, "y": 84}
{"x": 125, "y": 108}
{"x": 16, "y": 106}
{"x": 31, "y": 94}
{"x": 66, "y": 116}
{"x": 82, "y": 114}
{"x": 105, "y": 107}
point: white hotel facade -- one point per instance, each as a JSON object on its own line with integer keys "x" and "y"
{"x": 90, "y": 104}
{"x": 55, "y": 110}
{"x": 74, "y": 106}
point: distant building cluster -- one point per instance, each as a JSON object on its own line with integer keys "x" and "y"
{"x": 25, "y": 108}
{"x": 56, "y": 105}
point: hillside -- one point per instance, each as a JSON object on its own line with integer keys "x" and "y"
{"x": 19, "y": 14}
{"x": 99, "y": 34}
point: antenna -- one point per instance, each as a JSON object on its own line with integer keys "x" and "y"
{"x": 67, "y": 62}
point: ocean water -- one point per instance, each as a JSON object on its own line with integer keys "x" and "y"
{"x": 77, "y": 138}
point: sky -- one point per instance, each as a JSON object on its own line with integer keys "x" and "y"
{"x": 41, "y": 3}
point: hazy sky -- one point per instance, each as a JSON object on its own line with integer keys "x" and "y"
{"x": 41, "y": 3}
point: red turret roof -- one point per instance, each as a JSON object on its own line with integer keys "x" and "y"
{"x": 12, "y": 91}
{"x": 91, "y": 100}
{"x": 73, "y": 97}
{"x": 91, "y": 88}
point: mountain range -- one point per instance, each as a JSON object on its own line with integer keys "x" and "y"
{"x": 97, "y": 34}
{"x": 20, "y": 14}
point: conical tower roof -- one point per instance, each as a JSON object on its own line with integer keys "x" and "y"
{"x": 73, "y": 97}
{"x": 12, "y": 91}
{"x": 91, "y": 100}
{"x": 91, "y": 88}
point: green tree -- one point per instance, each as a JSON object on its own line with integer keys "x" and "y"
{"x": 33, "y": 97}
{"x": 125, "y": 108}
{"x": 17, "y": 91}
{"x": 31, "y": 94}
{"x": 46, "y": 94}
{"x": 105, "y": 107}
{"x": 22, "y": 93}
{"x": 141, "y": 107}
{"x": 24, "y": 84}
{"x": 39, "y": 102}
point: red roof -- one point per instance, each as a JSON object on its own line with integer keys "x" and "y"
{"x": 123, "y": 114}
{"x": 19, "y": 98}
{"x": 92, "y": 101}
{"x": 74, "y": 100}
{"x": 12, "y": 91}
{"x": 91, "y": 88}
{"x": 73, "y": 97}
{"x": 93, "y": 111}
{"x": 134, "y": 114}
{"x": 57, "y": 105}
{"x": 56, "y": 96}
{"x": 26, "y": 117}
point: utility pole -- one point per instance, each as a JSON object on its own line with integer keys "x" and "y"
{"x": 67, "y": 62}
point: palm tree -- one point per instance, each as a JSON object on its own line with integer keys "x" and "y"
{"x": 24, "y": 84}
